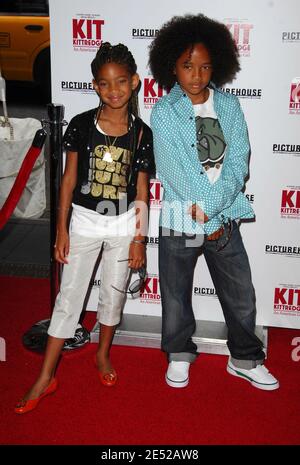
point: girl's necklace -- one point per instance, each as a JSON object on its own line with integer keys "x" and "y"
{"x": 109, "y": 145}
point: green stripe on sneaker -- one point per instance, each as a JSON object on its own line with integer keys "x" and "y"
{"x": 251, "y": 379}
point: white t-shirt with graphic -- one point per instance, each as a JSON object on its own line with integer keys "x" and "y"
{"x": 210, "y": 139}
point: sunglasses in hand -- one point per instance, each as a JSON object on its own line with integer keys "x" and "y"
{"x": 136, "y": 286}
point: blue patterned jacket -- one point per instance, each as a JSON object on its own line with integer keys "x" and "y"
{"x": 178, "y": 167}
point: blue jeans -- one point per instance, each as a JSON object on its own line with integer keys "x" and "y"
{"x": 231, "y": 275}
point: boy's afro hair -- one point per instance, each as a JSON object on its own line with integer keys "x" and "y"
{"x": 182, "y": 32}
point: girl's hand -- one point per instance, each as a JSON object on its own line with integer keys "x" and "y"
{"x": 197, "y": 214}
{"x": 137, "y": 255}
{"x": 62, "y": 247}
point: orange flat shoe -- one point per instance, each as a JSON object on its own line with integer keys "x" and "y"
{"x": 107, "y": 379}
{"x": 25, "y": 406}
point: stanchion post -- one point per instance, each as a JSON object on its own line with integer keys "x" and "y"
{"x": 56, "y": 123}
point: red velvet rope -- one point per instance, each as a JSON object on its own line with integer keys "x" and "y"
{"x": 19, "y": 185}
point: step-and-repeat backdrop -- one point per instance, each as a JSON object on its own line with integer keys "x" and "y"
{"x": 267, "y": 33}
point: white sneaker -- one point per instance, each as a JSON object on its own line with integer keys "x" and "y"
{"x": 178, "y": 374}
{"x": 259, "y": 377}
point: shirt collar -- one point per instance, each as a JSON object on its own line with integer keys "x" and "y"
{"x": 176, "y": 93}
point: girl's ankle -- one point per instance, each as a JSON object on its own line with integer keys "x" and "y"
{"x": 44, "y": 379}
{"x": 102, "y": 358}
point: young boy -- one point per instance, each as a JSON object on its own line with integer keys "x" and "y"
{"x": 201, "y": 151}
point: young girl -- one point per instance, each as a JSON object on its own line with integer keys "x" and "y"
{"x": 109, "y": 158}
{"x": 202, "y": 151}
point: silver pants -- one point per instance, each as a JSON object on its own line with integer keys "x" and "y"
{"x": 76, "y": 277}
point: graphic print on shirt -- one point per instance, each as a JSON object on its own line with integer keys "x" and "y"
{"x": 210, "y": 142}
{"x": 108, "y": 172}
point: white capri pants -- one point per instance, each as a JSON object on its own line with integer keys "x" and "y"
{"x": 76, "y": 277}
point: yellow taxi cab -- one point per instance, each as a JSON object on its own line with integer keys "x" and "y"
{"x": 25, "y": 41}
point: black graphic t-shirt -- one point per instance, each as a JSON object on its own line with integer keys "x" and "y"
{"x": 109, "y": 162}
{"x": 210, "y": 139}
{"x": 108, "y": 166}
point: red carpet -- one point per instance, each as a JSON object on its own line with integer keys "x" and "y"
{"x": 141, "y": 409}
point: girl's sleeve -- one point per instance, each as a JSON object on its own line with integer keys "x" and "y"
{"x": 145, "y": 152}
{"x": 71, "y": 137}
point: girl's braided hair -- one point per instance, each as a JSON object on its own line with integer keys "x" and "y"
{"x": 119, "y": 54}
{"x": 181, "y": 33}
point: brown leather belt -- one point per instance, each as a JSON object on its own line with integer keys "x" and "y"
{"x": 211, "y": 236}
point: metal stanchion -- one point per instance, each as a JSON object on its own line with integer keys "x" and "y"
{"x": 56, "y": 122}
{"x": 35, "y": 338}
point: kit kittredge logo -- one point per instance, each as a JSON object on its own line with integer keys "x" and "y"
{"x": 294, "y": 104}
{"x": 156, "y": 193}
{"x": 240, "y": 31}
{"x": 87, "y": 32}
{"x": 287, "y": 299}
{"x": 290, "y": 203}
{"x": 150, "y": 292}
{"x": 152, "y": 92}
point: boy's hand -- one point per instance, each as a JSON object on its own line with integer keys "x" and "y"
{"x": 197, "y": 214}
{"x": 62, "y": 247}
{"x": 215, "y": 235}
